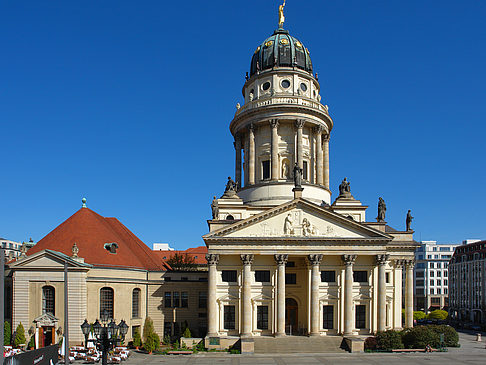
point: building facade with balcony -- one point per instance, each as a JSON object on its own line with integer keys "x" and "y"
{"x": 467, "y": 283}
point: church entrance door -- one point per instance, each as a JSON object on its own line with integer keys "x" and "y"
{"x": 291, "y": 316}
{"x": 47, "y": 336}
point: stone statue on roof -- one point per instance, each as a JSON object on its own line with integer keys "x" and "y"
{"x": 297, "y": 176}
{"x": 381, "y": 210}
{"x": 214, "y": 207}
{"x": 408, "y": 220}
{"x": 230, "y": 190}
{"x": 345, "y": 189}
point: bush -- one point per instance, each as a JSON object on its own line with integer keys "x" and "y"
{"x": 187, "y": 333}
{"x": 438, "y": 314}
{"x": 418, "y": 315}
{"x": 137, "y": 340}
{"x": 31, "y": 344}
{"x": 419, "y": 337}
{"x": 389, "y": 340}
{"x": 19, "y": 336}
{"x": 166, "y": 340}
{"x": 152, "y": 343}
{"x": 148, "y": 328}
{"x": 7, "y": 331}
{"x": 451, "y": 338}
{"x": 370, "y": 344}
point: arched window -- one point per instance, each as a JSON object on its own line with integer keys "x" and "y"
{"x": 48, "y": 300}
{"x": 106, "y": 301}
{"x": 136, "y": 303}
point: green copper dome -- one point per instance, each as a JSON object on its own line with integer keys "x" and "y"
{"x": 280, "y": 50}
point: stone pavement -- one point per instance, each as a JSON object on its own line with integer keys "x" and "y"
{"x": 470, "y": 352}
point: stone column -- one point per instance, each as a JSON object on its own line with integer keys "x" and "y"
{"x": 246, "y": 317}
{"x": 319, "y": 156}
{"x": 251, "y": 155}
{"x": 299, "y": 124}
{"x": 315, "y": 261}
{"x": 274, "y": 162}
{"x": 213, "y": 314}
{"x": 348, "y": 293}
{"x": 281, "y": 260}
{"x": 237, "y": 145}
{"x": 409, "y": 293}
{"x": 381, "y": 262}
{"x": 326, "y": 160}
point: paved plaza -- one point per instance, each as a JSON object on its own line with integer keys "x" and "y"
{"x": 470, "y": 352}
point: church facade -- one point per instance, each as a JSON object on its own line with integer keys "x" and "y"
{"x": 284, "y": 259}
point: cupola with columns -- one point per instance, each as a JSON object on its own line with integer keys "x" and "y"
{"x": 282, "y": 122}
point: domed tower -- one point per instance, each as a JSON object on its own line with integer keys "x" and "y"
{"x": 281, "y": 123}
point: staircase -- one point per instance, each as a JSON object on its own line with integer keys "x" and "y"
{"x": 298, "y": 344}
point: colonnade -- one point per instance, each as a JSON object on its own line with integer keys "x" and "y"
{"x": 315, "y": 279}
{"x": 245, "y": 139}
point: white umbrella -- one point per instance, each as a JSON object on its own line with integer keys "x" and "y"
{"x": 90, "y": 343}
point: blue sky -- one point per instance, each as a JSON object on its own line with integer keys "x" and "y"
{"x": 128, "y": 103}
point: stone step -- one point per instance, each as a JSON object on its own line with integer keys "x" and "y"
{"x": 298, "y": 344}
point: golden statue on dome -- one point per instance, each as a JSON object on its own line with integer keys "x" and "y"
{"x": 281, "y": 17}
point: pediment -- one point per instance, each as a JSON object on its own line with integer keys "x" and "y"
{"x": 261, "y": 298}
{"x": 298, "y": 219}
{"x": 46, "y": 259}
{"x": 47, "y": 319}
{"x": 227, "y": 298}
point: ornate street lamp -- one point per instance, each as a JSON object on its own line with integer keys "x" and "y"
{"x": 107, "y": 335}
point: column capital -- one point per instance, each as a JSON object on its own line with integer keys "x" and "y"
{"x": 247, "y": 259}
{"x": 382, "y": 259}
{"x": 399, "y": 263}
{"x": 281, "y": 259}
{"x": 409, "y": 264}
{"x": 318, "y": 129}
{"x": 252, "y": 127}
{"x": 274, "y": 123}
{"x": 349, "y": 259}
{"x": 314, "y": 259}
{"x": 299, "y": 123}
{"x": 326, "y": 137}
{"x": 212, "y": 258}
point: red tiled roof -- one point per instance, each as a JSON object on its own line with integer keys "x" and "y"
{"x": 91, "y": 231}
{"x": 198, "y": 253}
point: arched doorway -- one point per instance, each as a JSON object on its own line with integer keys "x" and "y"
{"x": 291, "y": 316}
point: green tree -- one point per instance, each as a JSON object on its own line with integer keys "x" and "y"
{"x": 31, "y": 343}
{"x": 182, "y": 262}
{"x": 389, "y": 340}
{"x": 187, "y": 333}
{"x": 152, "y": 343}
{"x": 148, "y": 328}
{"x": 7, "y": 330}
{"x": 417, "y": 315}
{"x": 137, "y": 339}
{"x": 19, "y": 335}
{"x": 438, "y": 314}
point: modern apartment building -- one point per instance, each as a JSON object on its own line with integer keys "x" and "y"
{"x": 13, "y": 249}
{"x": 431, "y": 276}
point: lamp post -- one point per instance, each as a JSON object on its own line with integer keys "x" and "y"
{"x": 106, "y": 334}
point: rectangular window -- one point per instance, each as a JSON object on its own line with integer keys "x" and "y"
{"x": 419, "y": 282}
{"x": 435, "y": 301}
{"x": 184, "y": 299}
{"x": 432, "y": 274}
{"x": 444, "y": 248}
{"x": 136, "y": 303}
{"x": 167, "y": 328}
{"x": 419, "y": 274}
{"x": 262, "y": 276}
{"x": 445, "y": 290}
{"x": 203, "y": 299}
{"x": 167, "y": 299}
{"x": 290, "y": 278}
{"x": 361, "y": 316}
{"x": 229, "y": 317}
{"x": 446, "y": 282}
{"x": 304, "y": 170}
{"x": 262, "y": 317}
{"x": 229, "y": 276}
{"x": 328, "y": 276}
{"x": 176, "y": 299}
{"x": 439, "y": 291}
{"x": 360, "y": 276}
{"x": 431, "y": 282}
{"x": 419, "y": 291}
{"x": 387, "y": 277}
{"x": 445, "y": 274}
{"x": 438, "y": 274}
{"x": 439, "y": 283}
{"x": 266, "y": 170}
{"x": 432, "y": 291}
{"x": 328, "y": 316}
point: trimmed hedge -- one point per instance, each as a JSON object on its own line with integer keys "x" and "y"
{"x": 451, "y": 337}
{"x": 389, "y": 340}
{"x": 438, "y": 314}
{"x": 419, "y": 337}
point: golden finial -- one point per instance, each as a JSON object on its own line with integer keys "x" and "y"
{"x": 281, "y": 17}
